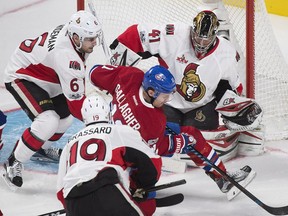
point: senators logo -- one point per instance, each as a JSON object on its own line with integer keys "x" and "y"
{"x": 191, "y": 88}
{"x": 200, "y": 116}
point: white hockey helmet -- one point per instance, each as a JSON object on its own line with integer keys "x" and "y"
{"x": 85, "y": 25}
{"x": 95, "y": 109}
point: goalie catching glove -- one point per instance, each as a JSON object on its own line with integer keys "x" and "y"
{"x": 239, "y": 113}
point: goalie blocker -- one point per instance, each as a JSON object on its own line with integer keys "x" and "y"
{"x": 122, "y": 55}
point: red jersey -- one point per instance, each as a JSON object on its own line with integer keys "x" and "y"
{"x": 129, "y": 106}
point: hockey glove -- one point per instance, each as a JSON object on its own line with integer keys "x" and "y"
{"x": 180, "y": 143}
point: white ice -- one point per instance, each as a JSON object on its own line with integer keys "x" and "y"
{"x": 202, "y": 196}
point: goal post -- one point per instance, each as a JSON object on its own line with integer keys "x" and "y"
{"x": 263, "y": 70}
{"x": 250, "y": 49}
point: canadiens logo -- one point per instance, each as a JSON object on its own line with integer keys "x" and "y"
{"x": 181, "y": 59}
{"x": 159, "y": 76}
{"x": 191, "y": 88}
{"x": 75, "y": 65}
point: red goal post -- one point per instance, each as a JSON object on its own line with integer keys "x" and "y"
{"x": 263, "y": 69}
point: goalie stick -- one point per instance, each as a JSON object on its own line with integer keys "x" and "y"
{"x": 272, "y": 210}
{"x": 104, "y": 45}
{"x": 160, "y": 202}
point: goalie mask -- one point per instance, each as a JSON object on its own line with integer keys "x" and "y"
{"x": 203, "y": 32}
{"x": 85, "y": 25}
{"x": 95, "y": 109}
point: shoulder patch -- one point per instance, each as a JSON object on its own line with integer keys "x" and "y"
{"x": 75, "y": 65}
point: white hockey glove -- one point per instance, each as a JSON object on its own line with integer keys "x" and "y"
{"x": 122, "y": 55}
{"x": 239, "y": 113}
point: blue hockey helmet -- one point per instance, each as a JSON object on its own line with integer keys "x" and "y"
{"x": 160, "y": 80}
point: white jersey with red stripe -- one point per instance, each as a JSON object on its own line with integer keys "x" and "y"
{"x": 196, "y": 78}
{"x": 98, "y": 146}
{"x": 51, "y": 62}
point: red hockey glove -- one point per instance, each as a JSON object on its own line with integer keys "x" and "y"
{"x": 180, "y": 143}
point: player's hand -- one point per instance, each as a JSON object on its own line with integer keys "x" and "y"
{"x": 181, "y": 143}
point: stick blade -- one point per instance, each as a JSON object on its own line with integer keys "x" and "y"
{"x": 169, "y": 200}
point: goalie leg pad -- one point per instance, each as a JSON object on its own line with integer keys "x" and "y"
{"x": 251, "y": 143}
{"x": 224, "y": 141}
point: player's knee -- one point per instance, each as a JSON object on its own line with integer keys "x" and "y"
{"x": 65, "y": 123}
{"x": 45, "y": 124}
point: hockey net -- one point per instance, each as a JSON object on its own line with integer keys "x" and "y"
{"x": 267, "y": 74}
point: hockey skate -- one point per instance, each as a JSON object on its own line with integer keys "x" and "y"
{"x": 12, "y": 173}
{"x": 243, "y": 176}
{"x": 50, "y": 155}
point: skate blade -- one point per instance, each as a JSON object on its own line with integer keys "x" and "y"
{"x": 234, "y": 191}
{"x": 7, "y": 180}
{"x": 43, "y": 159}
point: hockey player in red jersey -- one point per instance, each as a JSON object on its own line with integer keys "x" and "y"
{"x": 94, "y": 167}
{"x": 137, "y": 100}
{"x": 204, "y": 65}
{"x": 46, "y": 77}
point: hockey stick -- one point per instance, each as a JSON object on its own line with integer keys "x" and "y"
{"x": 272, "y": 210}
{"x": 160, "y": 202}
{"x": 104, "y": 45}
{"x": 167, "y": 185}
{"x": 169, "y": 200}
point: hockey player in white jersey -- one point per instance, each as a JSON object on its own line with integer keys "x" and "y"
{"x": 46, "y": 77}
{"x": 204, "y": 66}
{"x": 95, "y": 165}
